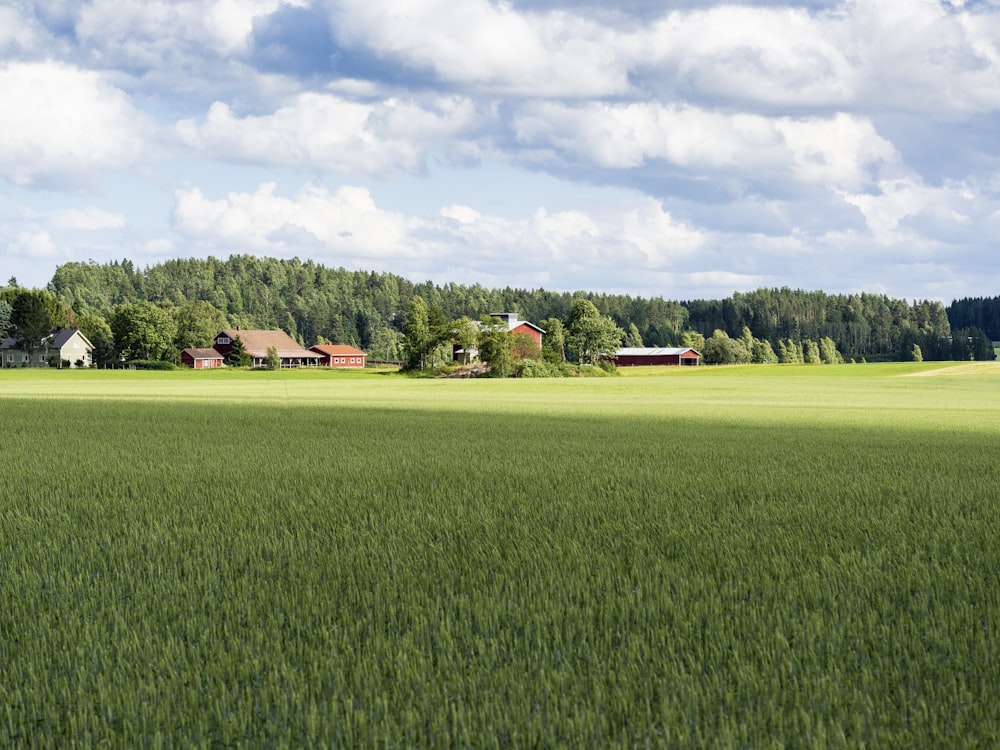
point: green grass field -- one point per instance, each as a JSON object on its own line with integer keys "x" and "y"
{"x": 785, "y": 556}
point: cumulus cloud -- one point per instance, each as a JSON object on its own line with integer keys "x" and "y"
{"x": 34, "y": 244}
{"x": 837, "y": 150}
{"x": 347, "y": 223}
{"x": 488, "y": 45}
{"x": 67, "y": 127}
{"x": 140, "y": 33}
{"x": 335, "y": 134}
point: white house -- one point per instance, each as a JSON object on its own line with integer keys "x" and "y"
{"x": 67, "y": 343}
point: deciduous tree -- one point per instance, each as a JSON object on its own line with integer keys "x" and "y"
{"x": 32, "y": 319}
{"x": 197, "y": 324}
{"x": 98, "y": 333}
{"x": 495, "y": 346}
{"x": 142, "y": 330}
{"x": 417, "y": 339}
{"x": 553, "y": 341}
{"x": 589, "y": 334}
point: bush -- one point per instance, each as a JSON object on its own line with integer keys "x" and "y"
{"x": 149, "y": 364}
{"x": 536, "y": 368}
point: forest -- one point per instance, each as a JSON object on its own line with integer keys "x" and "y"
{"x": 368, "y": 309}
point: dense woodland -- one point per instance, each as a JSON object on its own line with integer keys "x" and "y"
{"x": 369, "y": 309}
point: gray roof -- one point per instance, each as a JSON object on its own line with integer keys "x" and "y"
{"x": 61, "y": 335}
{"x": 652, "y": 351}
{"x": 56, "y": 340}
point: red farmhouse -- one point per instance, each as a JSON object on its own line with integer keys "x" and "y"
{"x": 201, "y": 359}
{"x": 339, "y": 355}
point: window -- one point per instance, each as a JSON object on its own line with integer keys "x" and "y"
{"x": 223, "y": 340}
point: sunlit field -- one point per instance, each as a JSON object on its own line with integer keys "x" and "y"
{"x": 747, "y": 556}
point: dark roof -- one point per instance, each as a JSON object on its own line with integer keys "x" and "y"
{"x": 57, "y": 339}
{"x": 61, "y": 335}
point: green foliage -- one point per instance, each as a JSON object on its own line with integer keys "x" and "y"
{"x": 495, "y": 346}
{"x": 148, "y": 364}
{"x": 828, "y": 353}
{"x": 810, "y": 352}
{"x": 536, "y": 368}
{"x": 142, "y": 330}
{"x": 237, "y": 355}
{"x": 5, "y": 324}
{"x": 694, "y": 340}
{"x": 589, "y": 334}
{"x": 417, "y": 339}
{"x": 722, "y": 350}
{"x": 553, "y": 341}
{"x": 32, "y": 317}
{"x": 915, "y": 354}
{"x": 98, "y": 333}
{"x": 197, "y": 323}
{"x": 464, "y": 334}
{"x": 633, "y": 337}
{"x": 273, "y": 360}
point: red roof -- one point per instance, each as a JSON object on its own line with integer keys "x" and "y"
{"x": 338, "y": 350}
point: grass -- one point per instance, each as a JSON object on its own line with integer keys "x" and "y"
{"x": 733, "y": 557}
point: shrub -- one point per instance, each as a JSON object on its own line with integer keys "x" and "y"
{"x": 149, "y": 364}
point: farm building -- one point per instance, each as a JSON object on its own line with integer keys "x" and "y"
{"x": 339, "y": 355}
{"x": 66, "y": 344}
{"x": 513, "y": 326}
{"x": 201, "y": 359}
{"x": 256, "y": 344}
{"x": 632, "y": 356}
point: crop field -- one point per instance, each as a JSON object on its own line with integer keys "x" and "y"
{"x": 767, "y": 556}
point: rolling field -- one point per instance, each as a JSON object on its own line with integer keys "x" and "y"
{"x": 784, "y": 556}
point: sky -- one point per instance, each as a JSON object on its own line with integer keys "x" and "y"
{"x": 684, "y": 150}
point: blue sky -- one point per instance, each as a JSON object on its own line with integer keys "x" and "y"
{"x": 686, "y": 149}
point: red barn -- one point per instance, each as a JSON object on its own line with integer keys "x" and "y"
{"x": 339, "y": 355}
{"x": 632, "y": 356}
{"x": 201, "y": 359}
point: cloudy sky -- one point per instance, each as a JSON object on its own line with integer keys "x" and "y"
{"x": 680, "y": 149}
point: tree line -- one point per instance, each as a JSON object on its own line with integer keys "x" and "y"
{"x": 184, "y": 302}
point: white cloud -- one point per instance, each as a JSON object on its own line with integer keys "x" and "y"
{"x": 68, "y": 125}
{"x": 837, "y": 150}
{"x": 487, "y": 45}
{"x": 34, "y": 244}
{"x": 347, "y": 220}
{"x": 155, "y": 32}
{"x": 347, "y": 224}
{"x": 333, "y": 134}
{"x": 906, "y": 208}
{"x": 763, "y": 56}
